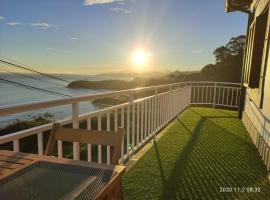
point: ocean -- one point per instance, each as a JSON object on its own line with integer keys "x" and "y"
{"x": 12, "y": 95}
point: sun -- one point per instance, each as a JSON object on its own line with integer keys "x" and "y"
{"x": 141, "y": 57}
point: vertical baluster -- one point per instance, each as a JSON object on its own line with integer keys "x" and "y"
{"x": 60, "y": 149}
{"x": 128, "y": 129}
{"x": 197, "y": 94}
{"x": 142, "y": 115}
{"x": 89, "y": 146}
{"x": 175, "y": 104}
{"x": 193, "y": 89}
{"x": 215, "y": 94}
{"x": 206, "y": 94}
{"x": 16, "y": 145}
{"x": 223, "y": 95}
{"x": 219, "y": 95}
{"x": 108, "y": 146}
{"x": 167, "y": 110}
{"x": 232, "y": 97}
{"x": 155, "y": 113}
{"x": 145, "y": 119}
{"x": 149, "y": 118}
{"x": 160, "y": 111}
{"x": 171, "y": 103}
{"x": 228, "y": 92}
{"x": 115, "y": 120}
{"x": 163, "y": 110}
{"x": 75, "y": 125}
{"x": 152, "y": 116}
{"x": 135, "y": 123}
{"x": 203, "y": 94}
{"x": 122, "y": 126}
{"x": 236, "y": 100}
{"x": 99, "y": 146}
{"x": 210, "y": 91}
{"x": 40, "y": 143}
{"x": 200, "y": 94}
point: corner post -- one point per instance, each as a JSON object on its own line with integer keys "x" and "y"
{"x": 242, "y": 101}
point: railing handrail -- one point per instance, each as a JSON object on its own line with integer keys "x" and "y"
{"x": 213, "y": 82}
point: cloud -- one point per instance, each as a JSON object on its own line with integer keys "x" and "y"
{"x": 120, "y": 10}
{"x": 44, "y": 25}
{"x": 197, "y": 51}
{"x": 94, "y": 2}
{"x": 1, "y": 18}
{"x": 73, "y": 38}
{"x": 15, "y": 24}
{"x": 122, "y": 3}
{"x": 49, "y": 49}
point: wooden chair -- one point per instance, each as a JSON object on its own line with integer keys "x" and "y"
{"x": 113, "y": 139}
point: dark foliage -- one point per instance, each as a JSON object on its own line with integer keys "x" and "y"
{"x": 19, "y": 125}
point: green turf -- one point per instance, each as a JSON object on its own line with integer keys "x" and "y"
{"x": 204, "y": 150}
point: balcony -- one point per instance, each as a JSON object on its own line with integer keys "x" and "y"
{"x": 204, "y": 152}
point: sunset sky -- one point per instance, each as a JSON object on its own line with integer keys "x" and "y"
{"x": 95, "y": 36}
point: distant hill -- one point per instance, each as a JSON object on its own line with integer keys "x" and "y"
{"x": 134, "y": 74}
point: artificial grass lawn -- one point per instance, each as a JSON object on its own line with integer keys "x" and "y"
{"x": 204, "y": 150}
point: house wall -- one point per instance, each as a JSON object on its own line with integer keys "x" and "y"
{"x": 266, "y": 100}
{"x": 256, "y": 119}
{"x": 258, "y": 126}
{"x": 259, "y": 7}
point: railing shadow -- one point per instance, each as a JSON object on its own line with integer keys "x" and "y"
{"x": 161, "y": 169}
{"x": 221, "y": 152}
{"x": 180, "y": 164}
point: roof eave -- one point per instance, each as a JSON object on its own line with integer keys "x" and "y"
{"x": 230, "y": 7}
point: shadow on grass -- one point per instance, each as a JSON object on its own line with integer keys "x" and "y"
{"x": 171, "y": 185}
{"x": 161, "y": 169}
{"x": 219, "y": 159}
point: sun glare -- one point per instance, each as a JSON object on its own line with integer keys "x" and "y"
{"x": 141, "y": 57}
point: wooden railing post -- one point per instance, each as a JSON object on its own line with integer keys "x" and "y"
{"x": 75, "y": 125}
{"x": 16, "y": 145}
{"x": 241, "y": 101}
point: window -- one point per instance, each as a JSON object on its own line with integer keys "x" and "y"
{"x": 258, "y": 35}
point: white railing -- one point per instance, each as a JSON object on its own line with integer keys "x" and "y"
{"x": 216, "y": 94}
{"x": 142, "y": 117}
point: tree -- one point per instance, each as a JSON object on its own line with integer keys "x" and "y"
{"x": 208, "y": 70}
{"x": 235, "y": 47}
{"x": 229, "y": 61}
{"x": 221, "y": 53}
{"x": 176, "y": 76}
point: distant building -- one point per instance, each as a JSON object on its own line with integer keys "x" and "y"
{"x": 255, "y": 109}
